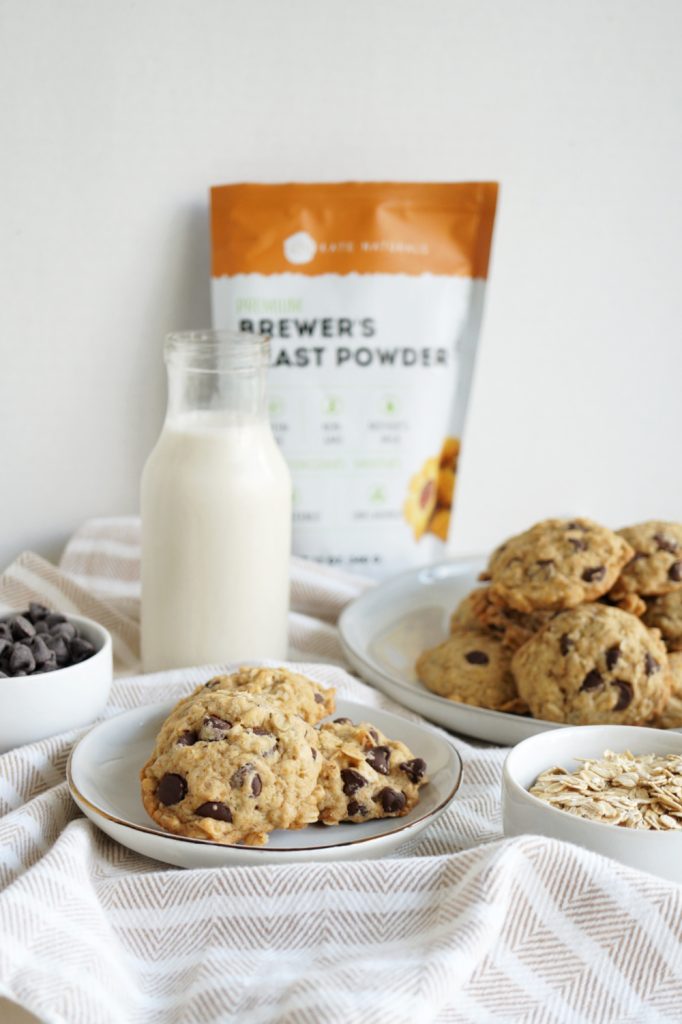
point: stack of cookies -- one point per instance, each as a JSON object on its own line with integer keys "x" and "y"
{"x": 246, "y": 754}
{"x": 576, "y": 624}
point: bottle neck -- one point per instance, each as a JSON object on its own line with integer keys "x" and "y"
{"x": 216, "y": 374}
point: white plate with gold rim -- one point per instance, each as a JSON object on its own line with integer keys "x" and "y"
{"x": 103, "y": 776}
{"x": 385, "y": 630}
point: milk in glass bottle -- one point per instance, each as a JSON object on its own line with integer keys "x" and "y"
{"x": 216, "y": 511}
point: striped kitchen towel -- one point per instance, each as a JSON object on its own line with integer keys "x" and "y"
{"x": 460, "y": 926}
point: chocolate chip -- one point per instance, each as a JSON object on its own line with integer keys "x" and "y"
{"x": 624, "y": 695}
{"x": 48, "y": 666}
{"x": 354, "y": 808}
{"x": 391, "y": 800}
{"x": 5, "y": 631}
{"x": 342, "y": 721}
{"x": 22, "y": 628}
{"x": 577, "y": 543}
{"x": 675, "y": 572}
{"x": 352, "y": 781}
{"x": 171, "y": 789}
{"x": 80, "y": 650}
{"x": 544, "y": 562}
{"x": 374, "y": 734}
{"x": 41, "y": 626}
{"x": 58, "y": 645}
{"x": 665, "y": 543}
{"x": 256, "y": 785}
{"x": 577, "y": 526}
{"x": 612, "y": 656}
{"x": 565, "y": 644}
{"x": 3, "y": 675}
{"x": 650, "y": 664}
{"x": 260, "y": 730}
{"x": 21, "y": 660}
{"x": 37, "y": 611}
{"x": 476, "y": 657}
{"x": 378, "y": 758}
{"x": 211, "y": 684}
{"x": 214, "y": 809}
{"x": 54, "y": 617}
{"x": 597, "y": 572}
{"x": 319, "y": 699}
{"x": 187, "y": 739}
{"x": 5, "y": 646}
{"x": 414, "y": 769}
{"x": 64, "y": 629}
{"x": 41, "y": 652}
{"x": 314, "y": 753}
{"x": 214, "y": 728}
{"x": 238, "y": 776}
{"x": 592, "y": 681}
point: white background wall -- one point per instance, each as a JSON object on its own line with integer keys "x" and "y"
{"x": 116, "y": 116}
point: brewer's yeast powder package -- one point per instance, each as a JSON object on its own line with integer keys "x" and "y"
{"x": 372, "y": 295}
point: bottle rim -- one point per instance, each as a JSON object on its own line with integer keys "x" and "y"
{"x": 216, "y": 350}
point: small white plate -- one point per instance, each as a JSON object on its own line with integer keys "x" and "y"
{"x": 385, "y": 630}
{"x": 103, "y": 776}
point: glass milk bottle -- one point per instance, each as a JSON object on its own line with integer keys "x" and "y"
{"x": 216, "y": 511}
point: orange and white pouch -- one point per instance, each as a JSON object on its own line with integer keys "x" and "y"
{"x": 372, "y": 294}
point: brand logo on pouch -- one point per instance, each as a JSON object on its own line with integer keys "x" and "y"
{"x": 300, "y": 248}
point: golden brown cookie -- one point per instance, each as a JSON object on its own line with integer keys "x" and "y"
{"x": 512, "y": 627}
{"x": 593, "y": 664}
{"x": 365, "y": 775}
{"x": 231, "y": 768}
{"x": 558, "y": 563}
{"x": 472, "y": 667}
{"x": 655, "y": 566}
{"x": 465, "y": 614}
{"x": 291, "y": 691}
{"x": 665, "y": 614}
{"x": 671, "y": 716}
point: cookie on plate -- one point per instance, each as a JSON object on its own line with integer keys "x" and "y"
{"x": 671, "y": 716}
{"x": 472, "y": 667}
{"x": 594, "y": 664}
{"x": 655, "y": 566}
{"x": 365, "y": 775}
{"x": 556, "y": 564}
{"x": 293, "y": 692}
{"x": 231, "y": 768}
{"x": 465, "y": 614}
{"x": 511, "y": 626}
{"x": 665, "y": 614}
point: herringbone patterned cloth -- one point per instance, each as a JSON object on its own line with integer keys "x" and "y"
{"x": 462, "y": 926}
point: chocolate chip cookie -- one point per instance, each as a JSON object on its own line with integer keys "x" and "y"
{"x": 557, "y": 564}
{"x": 365, "y": 775}
{"x": 512, "y": 627}
{"x": 665, "y": 614}
{"x": 465, "y": 614}
{"x": 655, "y": 566}
{"x": 293, "y": 692}
{"x": 671, "y": 716}
{"x": 472, "y": 667}
{"x": 594, "y": 664}
{"x": 231, "y": 768}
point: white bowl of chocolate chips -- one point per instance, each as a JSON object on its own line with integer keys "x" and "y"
{"x": 55, "y": 674}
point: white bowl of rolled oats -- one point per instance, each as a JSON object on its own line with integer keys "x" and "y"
{"x": 614, "y": 789}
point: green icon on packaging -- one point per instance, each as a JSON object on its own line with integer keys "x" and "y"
{"x": 275, "y": 406}
{"x": 390, "y": 405}
{"x": 332, "y": 406}
{"x": 377, "y": 495}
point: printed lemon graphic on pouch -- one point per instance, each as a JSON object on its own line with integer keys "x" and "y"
{"x": 431, "y": 491}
